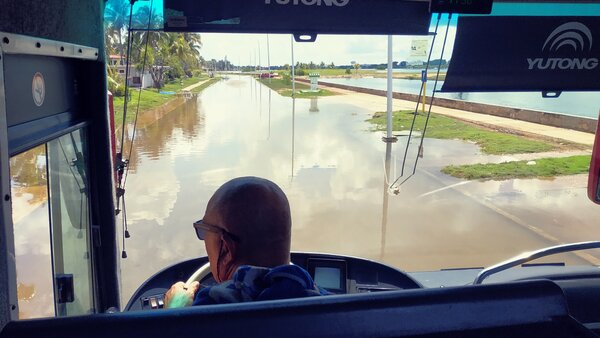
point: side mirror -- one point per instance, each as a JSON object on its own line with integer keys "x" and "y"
{"x": 593, "y": 180}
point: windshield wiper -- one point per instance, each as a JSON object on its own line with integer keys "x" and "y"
{"x": 531, "y": 255}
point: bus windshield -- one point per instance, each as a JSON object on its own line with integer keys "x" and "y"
{"x": 474, "y": 179}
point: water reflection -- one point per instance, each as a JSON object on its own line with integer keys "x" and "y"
{"x": 152, "y": 137}
{"x": 32, "y": 233}
{"x": 293, "y": 133}
{"x": 330, "y": 166}
{"x": 270, "y": 93}
{"x": 314, "y": 105}
{"x": 386, "y": 197}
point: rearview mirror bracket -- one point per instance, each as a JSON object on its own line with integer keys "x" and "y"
{"x": 306, "y": 37}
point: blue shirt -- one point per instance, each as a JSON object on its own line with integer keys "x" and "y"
{"x": 252, "y": 283}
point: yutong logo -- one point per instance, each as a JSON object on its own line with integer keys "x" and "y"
{"x": 339, "y": 3}
{"x": 571, "y": 35}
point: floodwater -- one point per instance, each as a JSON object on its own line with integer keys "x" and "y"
{"x": 348, "y": 191}
{"x": 582, "y": 104}
{"x": 334, "y": 171}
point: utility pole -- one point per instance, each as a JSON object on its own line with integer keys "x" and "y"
{"x": 389, "y": 137}
{"x": 293, "y": 70}
{"x": 269, "y": 58}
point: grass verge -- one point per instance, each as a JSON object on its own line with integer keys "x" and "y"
{"x": 443, "y": 127}
{"x": 177, "y": 85}
{"x": 206, "y": 84}
{"x": 415, "y": 74}
{"x": 284, "y": 88}
{"x": 150, "y": 98}
{"x": 545, "y": 167}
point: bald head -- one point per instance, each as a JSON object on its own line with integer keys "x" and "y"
{"x": 257, "y": 212}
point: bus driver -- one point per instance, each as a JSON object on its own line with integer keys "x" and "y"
{"x": 247, "y": 232}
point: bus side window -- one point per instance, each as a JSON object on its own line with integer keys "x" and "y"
{"x": 70, "y": 222}
{"x": 29, "y": 192}
{"x": 51, "y": 227}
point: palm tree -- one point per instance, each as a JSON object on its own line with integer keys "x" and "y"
{"x": 157, "y": 60}
{"x": 193, "y": 40}
{"x": 144, "y": 19}
{"x": 201, "y": 62}
{"x": 168, "y": 53}
{"x": 356, "y": 67}
{"x": 117, "y": 19}
{"x": 194, "y": 44}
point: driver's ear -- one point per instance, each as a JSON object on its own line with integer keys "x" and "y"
{"x": 229, "y": 255}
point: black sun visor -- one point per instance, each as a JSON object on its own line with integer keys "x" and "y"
{"x": 299, "y": 16}
{"x": 525, "y": 53}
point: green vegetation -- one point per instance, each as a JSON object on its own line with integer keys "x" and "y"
{"x": 279, "y": 84}
{"x": 284, "y": 87}
{"x": 545, "y": 167}
{"x": 172, "y": 59}
{"x": 327, "y": 71}
{"x": 169, "y": 56}
{"x": 177, "y": 85}
{"x": 442, "y": 127}
{"x": 349, "y": 72}
{"x": 301, "y": 95}
{"x": 150, "y": 99}
{"x": 206, "y": 84}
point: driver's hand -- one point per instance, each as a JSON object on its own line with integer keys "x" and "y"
{"x": 180, "y": 294}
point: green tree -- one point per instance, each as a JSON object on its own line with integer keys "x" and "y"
{"x": 157, "y": 63}
{"x": 194, "y": 43}
{"x": 168, "y": 55}
{"x": 116, "y": 15}
{"x": 143, "y": 18}
{"x": 116, "y": 83}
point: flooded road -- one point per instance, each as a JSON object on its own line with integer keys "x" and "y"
{"x": 333, "y": 169}
{"x": 582, "y": 104}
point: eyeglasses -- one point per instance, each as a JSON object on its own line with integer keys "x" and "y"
{"x": 201, "y": 229}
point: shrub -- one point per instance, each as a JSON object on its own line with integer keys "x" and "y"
{"x": 116, "y": 87}
{"x": 118, "y": 91}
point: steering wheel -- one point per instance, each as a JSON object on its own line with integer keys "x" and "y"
{"x": 200, "y": 274}
{"x": 156, "y": 285}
